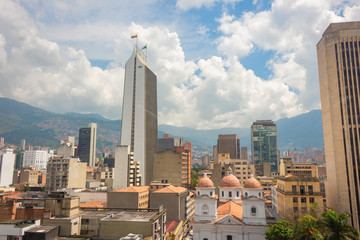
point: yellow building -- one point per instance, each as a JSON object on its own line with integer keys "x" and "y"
{"x": 297, "y": 169}
{"x": 295, "y": 195}
{"x": 223, "y": 158}
{"x": 266, "y": 183}
{"x": 243, "y": 170}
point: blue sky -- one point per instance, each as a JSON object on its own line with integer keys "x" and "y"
{"x": 225, "y": 63}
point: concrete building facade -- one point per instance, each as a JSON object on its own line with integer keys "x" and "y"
{"x": 36, "y": 158}
{"x": 7, "y": 160}
{"x": 126, "y": 170}
{"x": 173, "y": 167}
{"x": 139, "y": 113}
{"x": 65, "y": 173}
{"x": 229, "y": 143}
{"x": 295, "y": 195}
{"x": 338, "y": 64}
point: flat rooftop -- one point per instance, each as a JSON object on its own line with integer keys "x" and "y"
{"x": 130, "y": 216}
{"x": 42, "y": 229}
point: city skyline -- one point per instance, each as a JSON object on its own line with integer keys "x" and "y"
{"x": 232, "y": 59}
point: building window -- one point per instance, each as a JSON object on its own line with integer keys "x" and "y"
{"x": 237, "y": 194}
{"x": 198, "y": 193}
{"x": 294, "y": 189}
{"x": 312, "y": 200}
{"x": 211, "y": 193}
{"x": 222, "y": 193}
{"x": 295, "y": 199}
{"x": 311, "y": 190}
{"x": 302, "y": 190}
{"x": 246, "y": 194}
{"x": 303, "y": 200}
{"x": 230, "y": 194}
{"x": 253, "y": 211}
{"x": 205, "y": 239}
{"x": 228, "y": 237}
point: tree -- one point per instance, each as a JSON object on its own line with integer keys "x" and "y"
{"x": 26, "y": 188}
{"x": 336, "y": 227}
{"x": 308, "y": 229}
{"x": 282, "y": 230}
{"x": 194, "y": 178}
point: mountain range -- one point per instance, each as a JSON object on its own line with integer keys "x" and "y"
{"x": 43, "y": 128}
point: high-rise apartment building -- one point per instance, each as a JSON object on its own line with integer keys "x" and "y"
{"x": 264, "y": 148}
{"x": 65, "y": 173}
{"x": 7, "y": 160}
{"x": 126, "y": 170}
{"x": 339, "y": 76}
{"x": 22, "y": 144}
{"x": 172, "y": 166}
{"x": 229, "y": 143}
{"x": 36, "y": 158}
{"x": 87, "y": 144}
{"x": 139, "y": 113}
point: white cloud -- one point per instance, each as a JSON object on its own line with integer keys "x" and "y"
{"x": 37, "y": 71}
{"x": 210, "y": 93}
{"x": 188, "y": 4}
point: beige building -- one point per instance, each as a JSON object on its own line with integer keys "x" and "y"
{"x": 338, "y": 64}
{"x": 29, "y": 175}
{"x": 103, "y": 174}
{"x": 266, "y": 183}
{"x": 178, "y": 201}
{"x": 243, "y": 170}
{"x": 297, "y": 169}
{"x": 171, "y": 166}
{"x": 65, "y": 173}
{"x": 64, "y": 212}
{"x": 129, "y": 197}
{"x": 295, "y": 195}
{"x": 119, "y": 224}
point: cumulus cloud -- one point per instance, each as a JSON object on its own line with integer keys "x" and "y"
{"x": 188, "y": 4}
{"x": 38, "y": 72}
{"x": 291, "y": 31}
{"x": 208, "y": 93}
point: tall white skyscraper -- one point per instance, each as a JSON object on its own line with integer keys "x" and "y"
{"x": 139, "y": 113}
{"x": 7, "y": 160}
{"x": 36, "y": 158}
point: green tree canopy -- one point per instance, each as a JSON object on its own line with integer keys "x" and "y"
{"x": 282, "y": 230}
{"x": 336, "y": 227}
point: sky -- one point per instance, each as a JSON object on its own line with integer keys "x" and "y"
{"x": 219, "y": 63}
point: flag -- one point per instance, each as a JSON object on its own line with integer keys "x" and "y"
{"x": 145, "y": 47}
{"x": 134, "y": 36}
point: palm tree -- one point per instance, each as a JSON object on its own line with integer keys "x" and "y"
{"x": 336, "y": 227}
{"x": 308, "y": 229}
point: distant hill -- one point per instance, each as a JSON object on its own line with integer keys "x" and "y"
{"x": 39, "y": 127}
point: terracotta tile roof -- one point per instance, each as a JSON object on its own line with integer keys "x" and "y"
{"x": 17, "y": 195}
{"x": 94, "y": 204}
{"x": 232, "y": 208}
{"x": 133, "y": 189}
{"x": 171, "y": 189}
{"x": 171, "y": 226}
